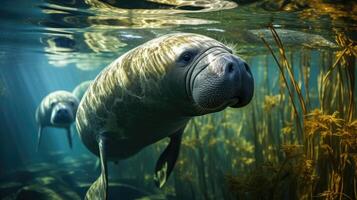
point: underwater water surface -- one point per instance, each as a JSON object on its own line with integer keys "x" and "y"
{"x": 297, "y": 139}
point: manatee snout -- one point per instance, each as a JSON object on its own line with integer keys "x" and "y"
{"x": 222, "y": 79}
{"x": 243, "y": 83}
{"x": 62, "y": 114}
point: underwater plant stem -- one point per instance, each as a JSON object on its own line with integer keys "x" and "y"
{"x": 329, "y": 71}
{"x": 341, "y": 89}
{"x": 278, "y": 174}
{"x": 305, "y": 69}
{"x": 351, "y": 83}
{"x": 257, "y": 150}
{"x": 288, "y": 67}
{"x": 286, "y": 82}
{"x": 324, "y": 92}
{"x": 355, "y": 186}
{"x": 201, "y": 167}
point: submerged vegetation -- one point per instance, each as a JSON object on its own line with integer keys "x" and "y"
{"x": 320, "y": 155}
{"x": 320, "y": 158}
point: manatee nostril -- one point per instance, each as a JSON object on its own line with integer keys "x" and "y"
{"x": 246, "y": 66}
{"x": 62, "y": 111}
{"x": 230, "y": 67}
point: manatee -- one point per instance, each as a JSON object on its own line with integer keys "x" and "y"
{"x": 294, "y": 38}
{"x": 151, "y": 92}
{"x": 81, "y": 89}
{"x": 58, "y": 109}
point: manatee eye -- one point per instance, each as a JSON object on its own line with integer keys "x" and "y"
{"x": 186, "y": 57}
{"x": 72, "y": 103}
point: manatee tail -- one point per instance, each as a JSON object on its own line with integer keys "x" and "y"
{"x": 39, "y": 135}
{"x": 99, "y": 189}
{"x": 69, "y": 137}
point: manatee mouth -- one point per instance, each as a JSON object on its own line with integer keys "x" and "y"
{"x": 233, "y": 102}
{"x": 62, "y": 120}
{"x": 237, "y": 103}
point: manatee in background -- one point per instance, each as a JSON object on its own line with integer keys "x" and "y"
{"x": 81, "y": 89}
{"x": 151, "y": 93}
{"x": 293, "y": 38}
{"x": 58, "y": 109}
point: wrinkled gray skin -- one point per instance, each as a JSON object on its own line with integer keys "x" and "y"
{"x": 58, "y": 109}
{"x": 203, "y": 77}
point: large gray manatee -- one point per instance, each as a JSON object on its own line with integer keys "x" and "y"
{"x": 151, "y": 92}
{"x": 58, "y": 109}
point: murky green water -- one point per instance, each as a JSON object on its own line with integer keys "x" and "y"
{"x": 290, "y": 142}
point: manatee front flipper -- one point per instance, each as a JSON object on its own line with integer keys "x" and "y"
{"x": 39, "y": 136}
{"x": 99, "y": 189}
{"x": 167, "y": 160}
{"x": 69, "y": 137}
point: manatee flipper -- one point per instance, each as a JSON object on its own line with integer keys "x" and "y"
{"x": 167, "y": 160}
{"x": 69, "y": 137}
{"x": 99, "y": 189}
{"x": 39, "y": 136}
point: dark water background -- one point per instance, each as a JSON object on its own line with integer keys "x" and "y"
{"x": 53, "y": 45}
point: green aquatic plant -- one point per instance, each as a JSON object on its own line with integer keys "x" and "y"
{"x": 271, "y": 101}
{"x": 346, "y": 68}
{"x": 318, "y": 148}
{"x": 270, "y": 180}
{"x": 285, "y": 67}
{"x": 337, "y": 145}
{"x": 336, "y": 10}
{"x": 256, "y": 183}
{"x": 328, "y": 139}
